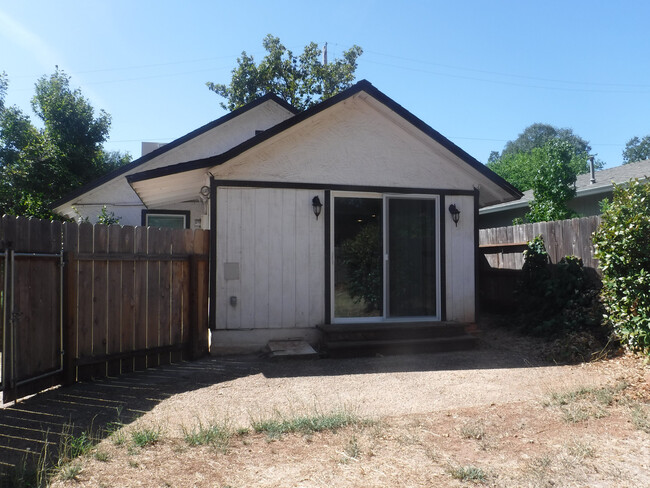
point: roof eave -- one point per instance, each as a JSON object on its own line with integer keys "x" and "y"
{"x": 167, "y": 147}
{"x": 358, "y": 87}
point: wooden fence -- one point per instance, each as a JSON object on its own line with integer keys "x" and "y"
{"x": 84, "y": 301}
{"x": 501, "y": 251}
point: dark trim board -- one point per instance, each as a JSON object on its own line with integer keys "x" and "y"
{"x": 212, "y": 317}
{"x": 336, "y": 187}
{"x": 361, "y": 86}
{"x": 328, "y": 250}
{"x": 443, "y": 258}
{"x": 167, "y": 147}
{"x": 476, "y": 258}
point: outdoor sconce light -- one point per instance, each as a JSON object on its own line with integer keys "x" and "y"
{"x": 455, "y": 213}
{"x": 317, "y": 206}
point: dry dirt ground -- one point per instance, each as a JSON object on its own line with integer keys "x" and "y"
{"x": 496, "y": 416}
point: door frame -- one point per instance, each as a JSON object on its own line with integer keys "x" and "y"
{"x": 384, "y": 197}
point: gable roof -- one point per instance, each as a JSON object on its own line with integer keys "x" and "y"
{"x": 172, "y": 145}
{"x": 361, "y": 86}
{"x": 605, "y": 180}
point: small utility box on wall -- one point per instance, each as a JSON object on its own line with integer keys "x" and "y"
{"x": 231, "y": 271}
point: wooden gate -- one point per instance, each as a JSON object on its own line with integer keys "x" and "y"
{"x": 82, "y": 301}
{"x": 32, "y": 317}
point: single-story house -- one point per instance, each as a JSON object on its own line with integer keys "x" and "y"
{"x": 352, "y": 212}
{"x": 589, "y": 193}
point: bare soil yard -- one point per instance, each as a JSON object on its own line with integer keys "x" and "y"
{"x": 498, "y": 416}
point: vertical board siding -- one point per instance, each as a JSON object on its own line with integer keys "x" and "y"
{"x": 279, "y": 245}
{"x": 460, "y": 262}
{"x": 130, "y": 300}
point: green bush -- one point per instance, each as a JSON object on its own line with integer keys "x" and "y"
{"x": 559, "y": 303}
{"x": 622, "y": 244}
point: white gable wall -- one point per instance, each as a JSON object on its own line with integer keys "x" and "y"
{"x": 120, "y": 198}
{"x": 352, "y": 143}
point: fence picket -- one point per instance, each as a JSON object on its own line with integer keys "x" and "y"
{"x": 127, "y": 341}
{"x": 561, "y": 238}
{"x": 114, "y": 302}
{"x": 128, "y": 296}
{"x": 140, "y": 291}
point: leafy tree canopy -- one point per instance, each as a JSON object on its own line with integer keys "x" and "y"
{"x": 300, "y": 80}
{"x": 518, "y": 163}
{"x": 38, "y": 167}
{"x": 3, "y": 89}
{"x": 636, "y": 150}
{"x": 554, "y": 183}
{"x": 536, "y": 135}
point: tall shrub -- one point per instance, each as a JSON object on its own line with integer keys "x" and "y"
{"x": 622, "y": 245}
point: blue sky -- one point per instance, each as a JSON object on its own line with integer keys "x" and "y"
{"x": 479, "y": 72}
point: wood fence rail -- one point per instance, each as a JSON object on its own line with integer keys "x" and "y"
{"x": 501, "y": 255}
{"x": 502, "y": 246}
{"x": 82, "y": 301}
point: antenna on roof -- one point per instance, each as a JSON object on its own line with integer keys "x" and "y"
{"x": 325, "y": 55}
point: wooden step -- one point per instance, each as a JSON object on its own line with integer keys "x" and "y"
{"x": 385, "y": 331}
{"x": 401, "y": 346}
{"x": 396, "y": 337}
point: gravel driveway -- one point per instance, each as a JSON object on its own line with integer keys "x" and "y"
{"x": 502, "y": 370}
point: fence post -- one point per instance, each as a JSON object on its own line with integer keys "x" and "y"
{"x": 69, "y": 318}
{"x": 198, "y": 344}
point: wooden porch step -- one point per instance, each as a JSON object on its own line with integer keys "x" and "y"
{"x": 396, "y": 337}
{"x": 391, "y": 331}
{"x": 402, "y": 346}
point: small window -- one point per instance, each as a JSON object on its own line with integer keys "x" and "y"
{"x": 173, "y": 219}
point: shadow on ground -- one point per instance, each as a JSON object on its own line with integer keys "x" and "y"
{"x": 34, "y": 424}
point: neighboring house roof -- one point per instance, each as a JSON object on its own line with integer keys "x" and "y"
{"x": 142, "y": 161}
{"x": 499, "y": 189}
{"x": 605, "y": 180}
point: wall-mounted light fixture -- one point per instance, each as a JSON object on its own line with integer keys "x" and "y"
{"x": 317, "y": 206}
{"x": 455, "y": 213}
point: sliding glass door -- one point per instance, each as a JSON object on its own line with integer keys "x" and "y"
{"x": 385, "y": 257}
{"x": 411, "y": 257}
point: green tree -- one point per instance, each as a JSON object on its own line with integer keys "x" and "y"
{"x": 302, "y": 81}
{"x": 636, "y": 150}
{"x": 536, "y": 135}
{"x": 518, "y": 163}
{"x": 3, "y": 89}
{"x": 554, "y": 183}
{"x": 518, "y": 169}
{"x": 38, "y": 167}
{"x": 623, "y": 250}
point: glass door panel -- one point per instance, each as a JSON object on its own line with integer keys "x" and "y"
{"x": 412, "y": 258}
{"x": 358, "y": 252}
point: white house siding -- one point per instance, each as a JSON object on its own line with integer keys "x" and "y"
{"x": 274, "y": 239}
{"x": 460, "y": 261}
{"x": 353, "y": 143}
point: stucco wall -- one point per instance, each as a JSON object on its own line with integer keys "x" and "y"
{"x": 355, "y": 144}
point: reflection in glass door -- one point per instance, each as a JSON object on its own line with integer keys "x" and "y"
{"x": 358, "y": 264}
{"x": 412, "y": 258}
{"x": 385, "y": 262}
